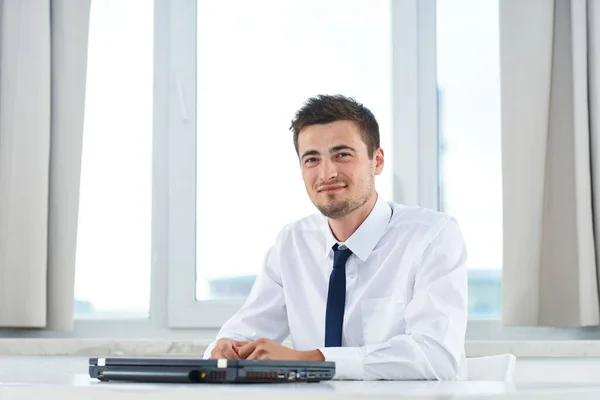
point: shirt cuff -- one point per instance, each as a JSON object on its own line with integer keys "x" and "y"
{"x": 209, "y": 350}
{"x": 348, "y": 362}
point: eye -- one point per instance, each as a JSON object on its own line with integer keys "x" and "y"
{"x": 343, "y": 155}
{"x": 310, "y": 160}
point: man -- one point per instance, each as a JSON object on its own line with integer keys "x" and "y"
{"x": 378, "y": 288}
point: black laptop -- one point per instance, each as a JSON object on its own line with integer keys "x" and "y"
{"x": 195, "y": 370}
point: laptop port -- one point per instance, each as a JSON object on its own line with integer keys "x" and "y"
{"x": 292, "y": 375}
{"x": 311, "y": 375}
{"x": 302, "y": 374}
{"x": 281, "y": 375}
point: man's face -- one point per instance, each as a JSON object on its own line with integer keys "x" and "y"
{"x": 337, "y": 172}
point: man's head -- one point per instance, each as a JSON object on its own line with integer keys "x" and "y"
{"x": 337, "y": 142}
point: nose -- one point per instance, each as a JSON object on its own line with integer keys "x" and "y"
{"x": 328, "y": 171}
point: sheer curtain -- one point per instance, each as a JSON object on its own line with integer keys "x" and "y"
{"x": 550, "y": 63}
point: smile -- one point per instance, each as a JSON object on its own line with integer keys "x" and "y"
{"x": 332, "y": 189}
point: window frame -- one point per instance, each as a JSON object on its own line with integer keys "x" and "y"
{"x": 183, "y": 309}
{"x": 415, "y": 143}
{"x": 414, "y": 102}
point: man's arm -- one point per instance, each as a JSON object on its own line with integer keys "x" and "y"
{"x": 436, "y": 318}
{"x": 264, "y": 314}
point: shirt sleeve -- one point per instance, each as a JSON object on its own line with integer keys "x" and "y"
{"x": 436, "y": 319}
{"x": 264, "y": 314}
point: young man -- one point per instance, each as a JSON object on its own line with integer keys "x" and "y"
{"x": 377, "y": 287}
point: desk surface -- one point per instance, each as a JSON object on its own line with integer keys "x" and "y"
{"x": 66, "y": 378}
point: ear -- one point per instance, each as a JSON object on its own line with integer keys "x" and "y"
{"x": 378, "y": 160}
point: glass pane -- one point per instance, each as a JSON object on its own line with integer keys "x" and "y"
{"x": 113, "y": 242}
{"x": 258, "y": 62}
{"x": 469, "y": 123}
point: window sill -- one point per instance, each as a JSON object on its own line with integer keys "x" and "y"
{"x": 176, "y": 348}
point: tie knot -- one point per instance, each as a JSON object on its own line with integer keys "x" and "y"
{"x": 340, "y": 256}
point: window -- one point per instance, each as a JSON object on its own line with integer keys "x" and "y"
{"x": 429, "y": 71}
{"x": 113, "y": 243}
{"x": 469, "y": 136}
{"x": 201, "y": 63}
{"x": 252, "y": 75}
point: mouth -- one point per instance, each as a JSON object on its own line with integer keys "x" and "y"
{"x": 332, "y": 189}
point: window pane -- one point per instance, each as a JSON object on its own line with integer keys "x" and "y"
{"x": 257, "y": 63}
{"x": 113, "y": 242}
{"x": 469, "y": 123}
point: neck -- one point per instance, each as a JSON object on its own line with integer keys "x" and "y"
{"x": 343, "y": 228}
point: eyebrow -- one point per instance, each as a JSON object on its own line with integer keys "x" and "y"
{"x": 334, "y": 149}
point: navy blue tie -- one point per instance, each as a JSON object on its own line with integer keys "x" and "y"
{"x": 336, "y": 298}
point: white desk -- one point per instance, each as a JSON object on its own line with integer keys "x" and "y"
{"x": 48, "y": 377}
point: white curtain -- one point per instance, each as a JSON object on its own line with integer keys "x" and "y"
{"x": 550, "y": 69}
{"x": 43, "y": 56}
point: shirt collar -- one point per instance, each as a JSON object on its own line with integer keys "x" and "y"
{"x": 365, "y": 238}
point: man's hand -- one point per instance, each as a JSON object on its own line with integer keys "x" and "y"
{"x": 265, "y": 349}
{"x": 227, "y": 348}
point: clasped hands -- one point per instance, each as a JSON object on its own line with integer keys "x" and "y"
{"x": 261, "y": 349}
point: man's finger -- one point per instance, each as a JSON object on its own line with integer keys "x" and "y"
{"x": 225, "y": 350}
{"x": 259, "y": 354}
{"x": 247, "y": 349}
{"x": 216, "y": 354}
{"x": 229, "y": 353}
{"x": 253, "y": 356}
{"x": 239, "y": 344}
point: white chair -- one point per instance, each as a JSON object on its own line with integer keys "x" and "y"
{"x": 491, "y": 368}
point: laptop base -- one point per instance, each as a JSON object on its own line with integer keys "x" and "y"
{"x": 178, "y": 370}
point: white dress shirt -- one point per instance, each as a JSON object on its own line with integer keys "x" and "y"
{"x": 406, "y": 295}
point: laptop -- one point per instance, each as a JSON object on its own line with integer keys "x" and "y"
{"x": 196, "y": 370}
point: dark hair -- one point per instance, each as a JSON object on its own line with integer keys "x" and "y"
{"x": 324, "y": 109}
